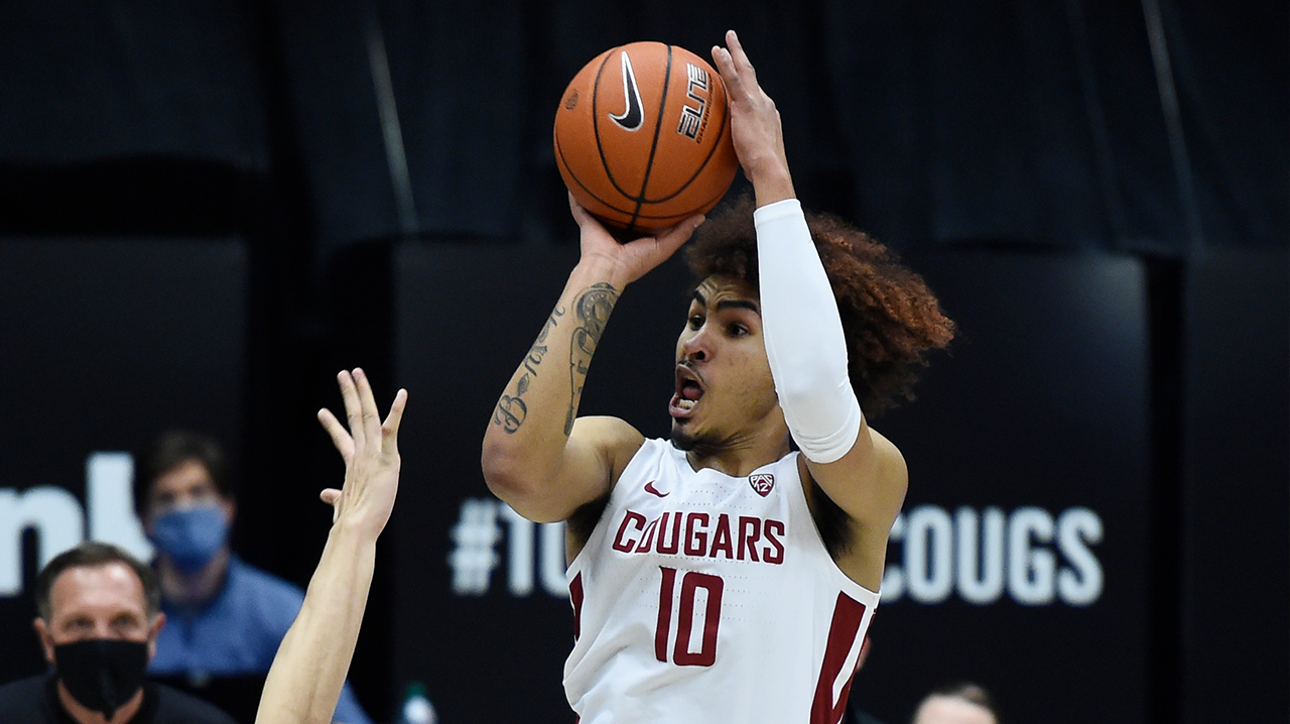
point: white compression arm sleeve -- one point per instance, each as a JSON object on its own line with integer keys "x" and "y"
{"x": 803, "y": 336}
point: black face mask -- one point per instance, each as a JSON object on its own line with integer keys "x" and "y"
{"x": 101, "y": 674}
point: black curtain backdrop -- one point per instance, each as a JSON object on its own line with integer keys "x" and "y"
{"x": 1150, "y": 125}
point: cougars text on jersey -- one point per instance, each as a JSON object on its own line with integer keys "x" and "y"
{"x": 694, "y": 533}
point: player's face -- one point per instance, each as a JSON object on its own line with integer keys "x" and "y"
{"x": 724, "y": 391}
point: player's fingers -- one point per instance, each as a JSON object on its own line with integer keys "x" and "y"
{"x": 650, "y": 251}
{"x": 583, "y": 218}
{"x": 747, "y": 73}
{"x": 336, "y": 431}
{"x": 726, "y": 67}
{"x": 390, "y": 428}
{"x": 332, "y": 497}
{"x": 353, "y": 409}
{"x": 673, "y": 238}
{"x": 580, "y": 215}
{"x": 371, "y": 415}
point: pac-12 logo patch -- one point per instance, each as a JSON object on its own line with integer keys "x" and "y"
{"x": 762, "y": 483}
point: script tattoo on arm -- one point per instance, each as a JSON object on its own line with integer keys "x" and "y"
{"x": 511, "y": 409}
{"x": 591, "y": 311}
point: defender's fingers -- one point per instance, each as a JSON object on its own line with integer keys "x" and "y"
{"x": 390, "y": 428}
{"x": 371, "y": 415}
{"x": 353, "y": 409}
{"x": 336, "y": 431}
{"x": 330, "y": 496}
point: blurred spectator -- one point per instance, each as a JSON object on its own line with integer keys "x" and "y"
{"x": 227, "y": 617}
{"x": 98, "y": 623}
{"x": 962, "y": 703}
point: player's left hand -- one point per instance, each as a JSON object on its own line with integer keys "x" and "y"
{"x": 755, "y": 126}
{"x": 371, "y": 453}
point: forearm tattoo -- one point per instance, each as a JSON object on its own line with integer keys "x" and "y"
{"x": 511, "y": 409}
{"x": 591, "y": 312}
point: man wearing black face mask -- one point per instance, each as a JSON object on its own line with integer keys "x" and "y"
{"x": 226, "y": 616}
{"x": 98, "y": 625}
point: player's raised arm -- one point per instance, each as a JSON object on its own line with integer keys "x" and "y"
{"x": 534, "y": 456}
{"x": 805, "y": 343}
{"x": 309, "y": 669}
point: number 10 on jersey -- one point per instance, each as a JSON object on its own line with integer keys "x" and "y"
{"x": 683, "y": 601}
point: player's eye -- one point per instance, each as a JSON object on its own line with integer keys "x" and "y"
{"x": 696, "y": 321}
{"x": 738, "y": 330}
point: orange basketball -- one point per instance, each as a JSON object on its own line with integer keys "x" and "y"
{"x": 642, "y": 137}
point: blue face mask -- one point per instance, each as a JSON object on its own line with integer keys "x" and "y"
{"x": 190, "y": 537}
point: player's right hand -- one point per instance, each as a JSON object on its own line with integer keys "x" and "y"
{"x": 624, "y": 263}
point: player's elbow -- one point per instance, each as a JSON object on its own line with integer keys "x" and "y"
{"x": 503, "y": 471}
{"x": 525, "y": 497}
{"x": 512, "y": 479}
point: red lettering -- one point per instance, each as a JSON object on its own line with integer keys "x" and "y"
{"x": 620, "y": 542}
{"x": 707, "y": 653}
{"x": 662, "y": 630}
{"x": 749, "y": 533}
{"x": 775, "y": 553}
{"x": 721, "y": 538}
{"x": 648, "y": 539}
{"x": 663, "y": 546}
{"x": 755, "y": 539}
{"x": 696, "y": 535}
{"x": 690, "y": 585}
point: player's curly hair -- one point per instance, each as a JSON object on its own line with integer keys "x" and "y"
{"x": 890, "y": 318}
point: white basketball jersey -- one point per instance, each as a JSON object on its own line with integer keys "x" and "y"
{"x": 702, "y": 598}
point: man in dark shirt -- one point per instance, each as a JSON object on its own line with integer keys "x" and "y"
{"x": 99, "y": 616}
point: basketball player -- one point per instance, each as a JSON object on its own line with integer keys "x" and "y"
{"x": 309, "y": 669}
{"x": 722, "y": 575}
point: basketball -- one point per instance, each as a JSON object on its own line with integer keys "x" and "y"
{"x": 642, "y": 137}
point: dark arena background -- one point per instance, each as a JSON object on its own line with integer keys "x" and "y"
{"x": 208, "y": 208}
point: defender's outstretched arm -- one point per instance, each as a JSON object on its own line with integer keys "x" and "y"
{"x": 309, "y": 669}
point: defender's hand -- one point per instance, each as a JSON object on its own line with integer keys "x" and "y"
{"x": 371, "y": 453}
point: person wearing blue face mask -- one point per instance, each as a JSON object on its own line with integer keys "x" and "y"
{"x": 226, "y": 617}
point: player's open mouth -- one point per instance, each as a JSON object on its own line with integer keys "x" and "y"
{"x": 689, "y": 388}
